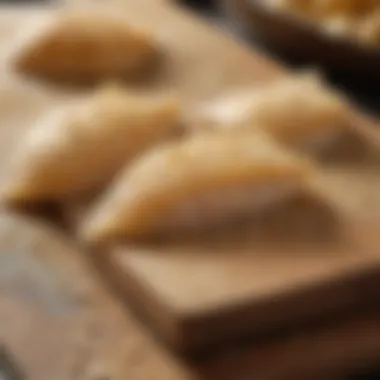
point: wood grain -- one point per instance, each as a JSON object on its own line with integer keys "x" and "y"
{"x": 58, "y": 322}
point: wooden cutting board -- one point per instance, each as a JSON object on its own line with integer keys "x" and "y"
{"x": 199, "y": 294}
{"x": 58, "y": 322}
{"x": 352, "y": 344}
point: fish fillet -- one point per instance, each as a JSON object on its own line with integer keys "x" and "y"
{"x": 198, "y": 182}
{"x": 81, "y": 147}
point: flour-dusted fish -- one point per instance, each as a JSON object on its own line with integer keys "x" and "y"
{"x": 300, "y": 112}
{"x": 202, "y": 181}
{"x": 81, "y": 147}
{"x": 85, "y": 46}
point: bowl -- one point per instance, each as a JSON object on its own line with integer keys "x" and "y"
{"x": 304, "y": 40}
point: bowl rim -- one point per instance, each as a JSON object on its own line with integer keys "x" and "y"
{"x": 302, "y": 23}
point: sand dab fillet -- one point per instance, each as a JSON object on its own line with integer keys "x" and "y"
{"x": 86, "y": 46}
{"x": 297, "y": 111}
{"x": 82, "y": 147}
{"x": 199, "y": 182}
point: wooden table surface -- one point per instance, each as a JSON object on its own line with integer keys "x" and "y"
{"x": 60, "y": 320}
